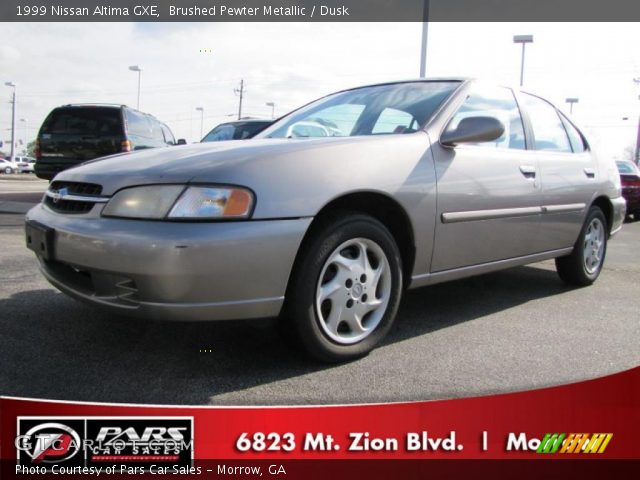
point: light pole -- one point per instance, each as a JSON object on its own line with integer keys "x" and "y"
{"x": 425, "y": 35}
{"x": 201, "y": 110}
{"x": 25, "y": 133}
{"x": 273, "y": 109}
{"x": 523, "y": 39}
{"x": 637, "y": 158}
{"x": 571, "y": 101}
{"x": 136, "y": 68}
{"x": 13, "y": 120}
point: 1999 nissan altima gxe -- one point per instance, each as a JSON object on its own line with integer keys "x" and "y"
{"x": 419, "y": 182}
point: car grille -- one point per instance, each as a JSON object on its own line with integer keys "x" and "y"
{"x": 77, "y": 188}
{"x": 73, "y": 188}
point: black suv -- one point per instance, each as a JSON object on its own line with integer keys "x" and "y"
{"x": 73, "y": 134}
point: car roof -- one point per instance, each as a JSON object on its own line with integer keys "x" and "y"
{"x": 412, "y": 80}
{"x": 244, "y": 122}
{"x": 106, "y": 105}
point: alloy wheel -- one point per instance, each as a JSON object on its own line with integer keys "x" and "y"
{"x": 594, "y": 242}
{"x": 353, "y": 291}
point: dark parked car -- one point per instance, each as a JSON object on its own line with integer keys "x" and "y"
{"x": 630, "y": 178}
{"x": 73, "y": 134}
{"x": 240, "y": 130}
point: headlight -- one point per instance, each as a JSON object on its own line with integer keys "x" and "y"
{"x": 152, "y": 202}
{"x": 159, "y": 202}
{"x": 213, "y": 202}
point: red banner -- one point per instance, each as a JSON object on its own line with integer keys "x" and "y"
{"x": 596, "y": 419}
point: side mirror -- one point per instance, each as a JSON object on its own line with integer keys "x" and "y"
{"x": 473, "y": 130}
{"x": 181, "y": 141}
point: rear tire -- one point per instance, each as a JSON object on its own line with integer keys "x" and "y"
{"x": 345, "y": 289}
{"x": 585, "y": 263}
{"x": 8, "y": 170}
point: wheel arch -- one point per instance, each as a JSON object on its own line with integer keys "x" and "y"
{"x": 605, "y": 205}
{"x": 378, "y": 205}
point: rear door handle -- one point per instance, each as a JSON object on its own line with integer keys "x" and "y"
{"x": 529, "y": 171}
{"x": 590, "y": 172}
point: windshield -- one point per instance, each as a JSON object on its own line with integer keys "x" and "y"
{"x": 627, "y": 167}
{"x": 235, "y": 131}
{"x": 397, "y": 108}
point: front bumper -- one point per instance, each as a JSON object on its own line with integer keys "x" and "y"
{"x": 619, "y": 213}
{"x": 47, "y": 170}
{"x": 171, "y": 270}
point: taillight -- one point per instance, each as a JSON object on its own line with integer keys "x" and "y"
{"x": 36, "y": 149}
{"x": 629, "y": 181}
{"x": 635, "y": 183}
{"x": 126, "y": 146}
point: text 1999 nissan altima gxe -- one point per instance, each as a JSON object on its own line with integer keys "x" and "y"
{"x": 328, "y": 214}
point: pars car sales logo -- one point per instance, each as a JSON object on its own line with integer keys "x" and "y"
{"x": 91, "y": 441}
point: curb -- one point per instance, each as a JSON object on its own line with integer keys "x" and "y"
{"x": 21, "y": 177}
{"x": 15, "y": 207}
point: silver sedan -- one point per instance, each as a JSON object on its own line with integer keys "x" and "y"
{"x": 408, "y": 184}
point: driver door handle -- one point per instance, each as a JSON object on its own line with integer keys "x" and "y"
{"x": 529, "y": 171}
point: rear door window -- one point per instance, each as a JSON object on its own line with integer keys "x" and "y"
{"x": 87, "y": 121}
{"x": 548, "y": 130}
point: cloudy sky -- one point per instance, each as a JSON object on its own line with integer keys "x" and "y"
{"x": 199, "y": 64}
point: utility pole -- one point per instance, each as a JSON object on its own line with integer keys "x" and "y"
{"x": 13, "y": 121}
{"x": 240, "y": 92}
{"x": 425, "y": 35}
{"x": 25, "y": 134}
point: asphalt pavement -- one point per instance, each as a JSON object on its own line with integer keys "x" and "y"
{"x": 512, "y": 330}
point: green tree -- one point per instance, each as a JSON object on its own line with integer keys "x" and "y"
{"x": 31, "y": 149}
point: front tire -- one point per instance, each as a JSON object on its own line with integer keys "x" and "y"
{"x": 345, "y": 289}
{"x": 8, "y": 170}
{"x": 585, "y": 263}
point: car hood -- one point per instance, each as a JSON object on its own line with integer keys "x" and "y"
{"x": 290, "y": 177}
{"x": 204, "y": 162}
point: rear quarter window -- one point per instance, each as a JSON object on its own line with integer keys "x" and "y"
{"x": 157, "y": 131}
{"x": 138, "y": 124}
{"x": 168, "y": 136}
{"x": 578, "y": 144}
